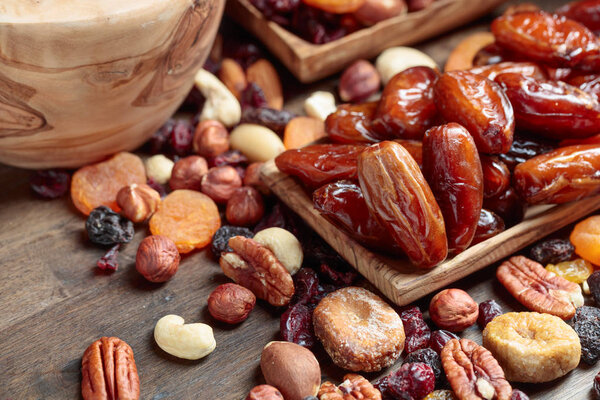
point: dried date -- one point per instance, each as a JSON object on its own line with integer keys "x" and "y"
{"x": 522, "y": 68}
{"x": 586, "y": 12}
{"x": 489, "y": 225}
{"x": 398, "y": 195}
{"x": 588, "y": 83}
{"x": 352, "y": 123}
{"x": 508, "y": 205}
{"x": 524, "y": 148}
{"x": 451, "y": 166}
{"x": 496, "y": 176}
{"x": 414, "y": 147}
{"x": 479, "y": 105}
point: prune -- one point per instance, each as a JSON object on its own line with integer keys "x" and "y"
{"x": 496, "y": 176}
{"x": 586, "y": 323}
{"x": 586, "y": 12}
{"x": 488, "y": 310}
{"x": 412, "y": 381}
{"x": 597, "y": 386}
{"x": 508, "y": 205}
{"x": 233, "y": 158}
{"x": 479, "y": 105}
{"x": 594, "y": 283}
{"x": 518, "y": 395}
{"x": 319, "y": 164}
{"x": 352, "y": 123}
{"x": 416, "y": 330}
{"x": 276, "y": 120}
{"x": 438, "y": 340}
{"x": 453, "y": 170}
{"x": 337, "y": 277}
{"x": 220, "y": 240}
{"x": 489, "y": 225}
{"x": 296, "y": 325}
{"x": 181, "y": 138}
{"x": 562, "y": 175}
{"x": 523, "y": 68}
{"x": 253, "y": 97}
{"x": 429, "y": 357}
{"x": 522, "y": 149}
{"x": 50, "y": 183}
{"x": 407, "y": 108}
{"x": 106, "y": 227}
{"x": 306, "y": 284}
{"x": 552, "y": 251}
{"x": 546, "y": 108}
{"x": 109, "y": 261}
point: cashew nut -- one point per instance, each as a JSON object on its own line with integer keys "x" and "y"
{"x": 284, "y": 245}
{"x": 189, "y": 341}
{"x": 220, "y": 103}
{"x": 256, "y": 142}
{"x": 319, "y": 105}
{"x": 397, "y": 59}
{"x": 159, "y": 168}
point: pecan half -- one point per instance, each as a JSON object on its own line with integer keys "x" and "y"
{"x": 354, "y": 387}
{"x": 473, "y": 372}
{"x": 255, "y": 267}
{"x": 108, "y": 371}
{"x": 538, "y": 289}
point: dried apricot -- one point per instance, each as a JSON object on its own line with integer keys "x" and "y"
{"x": 586, "y": 239}
{"x": 575, "y": 270}
{"x": 98, "y": 184}
{"x": 188, "y": 218}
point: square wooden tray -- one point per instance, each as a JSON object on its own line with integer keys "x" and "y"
{"x": 310, "y": 62}
{"x": 398, "y": 279}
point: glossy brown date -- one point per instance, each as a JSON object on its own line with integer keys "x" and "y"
{"x": 451, "y": 166}
{"x": 570, "y": 142}
{"x": 508, "y": 205}
{"x": 588, "y": 83}
{"x": 551, "y": 109}
{"x": 414, "y": 147}
{"x": 352, "y": 123}
{"x": 586, "y": 12}
{"x": 496, "y": 176}
{"x": 319, "y": 164}
{"x": 407, "y": 108}
{"x": 563, "y": 175}
{"x": 399, "y": 197}
{"x": 523, "y": 68}
{"x": 343, "y": 204}
{"x": 523, "y": 148}
{"x": 489, "y": 225}
{"x": 479, "y": 105}
{"x": 550, "y": 39}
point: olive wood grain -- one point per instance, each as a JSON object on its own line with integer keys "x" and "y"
{"x": 310, "y": 62}
{"x": 398, "y": 279}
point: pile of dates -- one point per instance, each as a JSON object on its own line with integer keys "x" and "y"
{"x": 445, "y": 160}
{"x": 322, "y": 21}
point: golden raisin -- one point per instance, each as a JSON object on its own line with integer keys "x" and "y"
{"x": 98, "y": 184}
{"x": 188, "y": 218}
{"x": 586, "y": 239}
{"x": 441, "y": 395}
{"x": 576, "y": 271}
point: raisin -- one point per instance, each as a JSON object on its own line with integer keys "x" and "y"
{"x": 488, "y": 310}
{"x": 50, "y": 183}
{"x": 597, "y": 386}
{"x": 416, "y": 330}
{"x": 109, "y": 261}
{"x": 317, "y": 26}
{"x": 253, "y": 97}
{"x": 413, "y": 381}
{"x": 576, "y": 271}
{"x": 181, "y": 138}
{"x": 429, "y": 357}
{"x": 439, "y": 339}
{"x": 276, "y": 120}
{"x": 156, "y": 144}
{"x": 489, "y": 225}
{"x": 232, "y": 158}
{"x": 306, "y": 284}
{"x": 296, "y": 325}
{"x": 220, "y": 240}
{"x": 594, "y": 284}
{"x": 337, "y": 277}
{"x": 106, "y": 227}
{"x": 552, "y": 251}
{"x": 586, "y": 323}
{"x": 518, "y": 395}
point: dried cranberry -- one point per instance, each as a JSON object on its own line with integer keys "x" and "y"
{"x": 106, "y": 227}
{"x": 275, "y": 219}
{"x": 253, "y": 97}
{"x": 439, "y": 339}
{"x": 244, "y": 53}
{"x": 429, "y": 357}
{"x": 597, "y": 386}
{"x": 594, "y": 283}
{"x": 306, "y": 284}
{"x": 552, "y": 251}
{"x": 324, "y": 290}
{"x": 412, "y": 382}
{"x": 276, "y": 120}
{"x": 383, "y": 385}
{"x": 109, "y": 261}
{"x": 220, "y": 240}
{"x": 195, "y": 100}
{"x": 518, "y": 395}
{"x": 317, "y": 26}
{"x": 277, "y": 10}
{"x": 337, "y": 277}
{"x": 181, "y": 138}
{"x": 586, "y": 323}
{"x": 233, "y": 158}
{"x": 488, "y": 310}
{"x": 416, "y": 330}
{"x": 156, "y": 144}
{"x": 50, "y": 183}
{"x": 161, "y": 189}
{"x": 296, "y": 325}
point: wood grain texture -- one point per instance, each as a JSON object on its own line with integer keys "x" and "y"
{"x": 73, "y": 91}
{"x": 310, "y": 62}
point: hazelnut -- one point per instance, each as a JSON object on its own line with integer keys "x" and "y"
{"x": 158, "y": 168}
{"x": 157, "y": 258}
{"x": 188, "y": 172}
{"x": 211, "y": 138}
{"x": 138, "y": 202}
{"x": 292, "y": 369}
{"x": 245, "y": 207}
{"x": 231, "y": 303}
{"x": 220, "y": 183}
{"x": 374, "y": 11}
{"x": 264, "y": 392}
{"x": 453, "y": 310}
{"x": 252, "y": 178}
{"x": 359, "y": 81}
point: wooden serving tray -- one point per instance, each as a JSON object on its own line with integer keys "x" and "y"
{"x": 398, "y": 279}
{"x": 310, "y": 62}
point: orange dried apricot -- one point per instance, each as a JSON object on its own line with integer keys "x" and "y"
{"x": 98, "y": 184}
{"x": 188, "y": 218}
{"x": 576, "y": 271}
{"x": 586, "y": 239}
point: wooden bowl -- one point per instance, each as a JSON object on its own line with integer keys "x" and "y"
{"x": 80, "y": 80}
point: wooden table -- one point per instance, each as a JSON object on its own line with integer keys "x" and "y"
{"x": 55, "y": 303}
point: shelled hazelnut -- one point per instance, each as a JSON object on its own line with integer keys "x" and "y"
{"x": 188, "y": 172}
{"x": 220, "y": 183}
{"x": 138, "y": 202}
{"x": 157, "y": 258}
{"x": 211, "y": 138}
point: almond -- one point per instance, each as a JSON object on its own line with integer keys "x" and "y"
{"x": 301, "y": 131}
{"x": 233, "y": 76}
{"x": 263, "y": 73}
